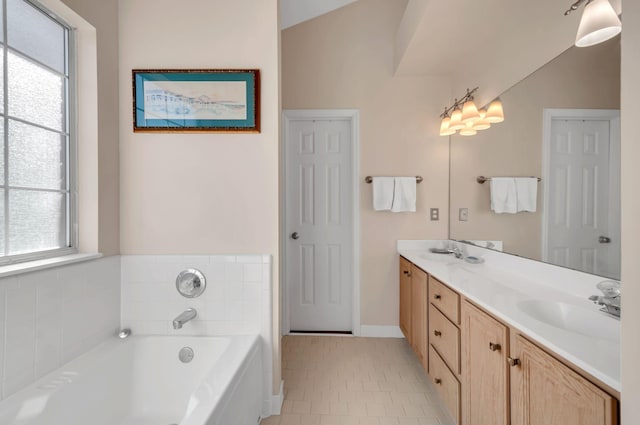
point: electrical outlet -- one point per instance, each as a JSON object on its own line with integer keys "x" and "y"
{"x": 435, "y": 214}
{"x": 463, "y": 214}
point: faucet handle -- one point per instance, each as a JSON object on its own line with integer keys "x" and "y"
{"x": 610, "y": 288}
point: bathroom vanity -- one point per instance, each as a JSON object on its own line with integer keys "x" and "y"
{"x": 510, "y": 341}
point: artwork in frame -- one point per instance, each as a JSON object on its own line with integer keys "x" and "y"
{"x": 199, "y": 100}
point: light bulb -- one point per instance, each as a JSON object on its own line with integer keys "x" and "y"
{"x": 482, "y": 123}
{"x": 470, "y": 112}
{"x": 444, "y": 127}
{"x": 495, "y": 114}
{"x": 468, "y": 130}
{"x": 599, "y": 23}
{"x": 456, "y": 120}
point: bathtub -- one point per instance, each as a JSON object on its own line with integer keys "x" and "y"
{"x": 140, "y": 380}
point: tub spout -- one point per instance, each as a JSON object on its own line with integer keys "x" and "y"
{"x": 184, "y": 317}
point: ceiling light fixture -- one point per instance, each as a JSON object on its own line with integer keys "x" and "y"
{"x": 469, "y": 120}
{"x": 599, "y": 22}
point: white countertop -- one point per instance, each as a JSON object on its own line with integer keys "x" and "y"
{"x": 502, "y": 283}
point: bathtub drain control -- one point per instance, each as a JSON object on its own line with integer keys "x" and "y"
{"x": 186, "y": 354}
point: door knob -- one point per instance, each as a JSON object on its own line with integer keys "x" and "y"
{"x": 604, "y": 239}
{"x": 295, "y": 235}
{"x": 494, "y": 347}
{"x": 513, "y": 361}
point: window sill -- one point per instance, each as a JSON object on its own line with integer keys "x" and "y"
{"x": 32, "y": 266}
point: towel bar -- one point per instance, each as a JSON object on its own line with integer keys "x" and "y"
{"x": 482, "y": 179}
{"x": 369, "y": 179}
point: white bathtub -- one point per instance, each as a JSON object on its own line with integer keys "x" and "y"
{"x": 141, "y": 381}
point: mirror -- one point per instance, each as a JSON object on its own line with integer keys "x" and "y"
{"x": 562, "y": 125}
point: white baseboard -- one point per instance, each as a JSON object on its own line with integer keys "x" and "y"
{"x": 277, "y": 400}
{"x": 381, "y": 331}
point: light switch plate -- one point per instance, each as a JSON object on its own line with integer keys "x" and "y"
{"x": 435, "y": 214}
{"x": 463, "y": 214}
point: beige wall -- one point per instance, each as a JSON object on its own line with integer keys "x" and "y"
{"x": 630, "y": 213}
{"x": 345, "y": 60}
{"x": 579, "y": 78}
{"x": 201, "y": 193}
{"x": 103, "y": 15}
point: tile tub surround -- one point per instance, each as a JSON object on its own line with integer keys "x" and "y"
{"x": 49, "y": 317}
{"x": 504, "y": 280}
{"x": 236, "y": 301}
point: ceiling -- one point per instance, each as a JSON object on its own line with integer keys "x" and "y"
{"x": 293, "y": 12}
{"x": 464, "y": 40}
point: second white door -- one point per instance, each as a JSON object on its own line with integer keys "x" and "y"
{"x": 582, "y": 160}
{"x": 319, "y": 222}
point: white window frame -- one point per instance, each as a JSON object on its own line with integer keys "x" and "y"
{"x": 71, "y": 148}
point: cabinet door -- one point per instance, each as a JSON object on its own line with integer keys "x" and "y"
{"x": 546, "y": 392}
{"x": 485, "y": 395}
{"x": 419, "y": 314}
{"x": 405, "y": 298}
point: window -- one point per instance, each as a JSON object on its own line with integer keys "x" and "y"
{"x": 36, "y": 173}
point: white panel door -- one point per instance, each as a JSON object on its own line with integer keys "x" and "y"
{"x": 578, "y": 231}
{"x": 319, "y": 224}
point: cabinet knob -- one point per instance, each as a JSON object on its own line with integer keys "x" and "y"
{"x": 494, "y": 346}
{"x": 437, "y": 333}
{"x": 512, "y": 361}
{"x": 437, "y": 297}
{"x": 438, "y": 381}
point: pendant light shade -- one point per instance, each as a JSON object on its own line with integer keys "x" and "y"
{"x": 470, "y": 112}
{"x": 456, "y": 120}
{"x": 599, "y": 23}
{"x": 495, "y": 114}
{"x": 482, "y": 123}
{"x": 444, "y": 127}
{"x": 468, "y": 130}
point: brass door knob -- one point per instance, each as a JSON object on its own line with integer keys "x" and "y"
{"x": 437, "y": 333}
{"x": 494, "y": 346}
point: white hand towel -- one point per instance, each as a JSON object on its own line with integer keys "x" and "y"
{"x": 383, "y": 188}
{"x": 404, "y": 197}
{"x": 527, "y": 193}
{"x": 503, "y": 195}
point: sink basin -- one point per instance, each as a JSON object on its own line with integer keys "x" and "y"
{"x": 572, "y": 318}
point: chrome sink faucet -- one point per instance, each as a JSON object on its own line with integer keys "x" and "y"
{"x": 457, "y": 252}
{"x": 611, "y": 300}
{"x": 184, "y": 317}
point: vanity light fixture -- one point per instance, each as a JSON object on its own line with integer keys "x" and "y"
{"x": 599, "y": 22}
{"x": 469, "y": 120}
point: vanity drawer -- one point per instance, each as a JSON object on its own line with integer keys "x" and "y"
{"x": 446, "y": 384}
{"x": 447, "y": 301}
{"x": 445, "y": 338}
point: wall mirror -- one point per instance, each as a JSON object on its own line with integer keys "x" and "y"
{"x": 562, "y": 124}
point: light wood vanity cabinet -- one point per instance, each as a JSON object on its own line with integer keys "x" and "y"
{"x": 488, "y": 373}
{"x": 405, "y": 298}
{"x": 485, "y": 342}
{"x": 444, "y": 342}
{"x": 413, "y": 308}
{"x": 419, "y": 314}
{"x": 544, "y": 391}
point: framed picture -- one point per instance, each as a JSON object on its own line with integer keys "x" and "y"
{"x": 200, "y": 100}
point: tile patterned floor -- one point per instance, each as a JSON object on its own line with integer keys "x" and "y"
{"x": 332, "y": 380}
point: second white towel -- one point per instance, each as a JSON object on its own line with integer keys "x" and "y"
{"x": 503, "y": 195}
{"x": 404, "y": 195}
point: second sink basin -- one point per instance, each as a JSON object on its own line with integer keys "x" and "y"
{"x": 572, "y": 318}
